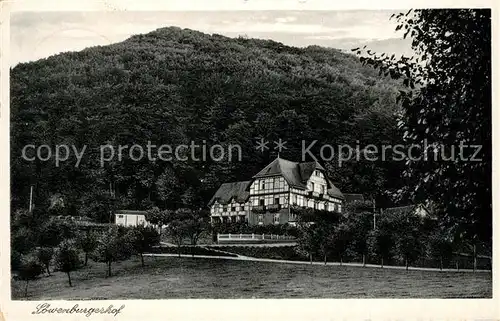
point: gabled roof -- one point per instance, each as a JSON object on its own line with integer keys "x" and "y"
{"x": 349, "y": 198}
{"x": 289, "y": 170}
{"x": 296, "y": 174}
{"x": 306, "y": 169}
{"x": 234, "y": 190}
{"x": 406, "y": 210}
{"x": 334, "y": 191}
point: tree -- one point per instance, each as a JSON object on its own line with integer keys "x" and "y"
{"x": 360, "y": 225}
{"x": 159, "y": 217}
{"x": 178, "y": 231}
{"x": 143, "y": 238}
{"x": 29, "y": 269}
{"x": 114, "y": 245}
{"x": 340, "y": 240}
{"x": 45, "y": 255}
{"x": 67, "y": 258}
{"x": 87, "y": 241}
{"x": 380, "y": 243}
{"x": 310, "y": 240}
{"x": 54, "y": 231}
{"x": 441, "y": 246}
{"x": 447, "y": 105}
{"x": 408, "y": 238}
{"x": 196, "y": 224}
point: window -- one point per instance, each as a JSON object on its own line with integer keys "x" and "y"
{"x": 322, "y": 189}
{"x": 224, "y": 208}
{"x": 312, "y": 186}
{"x": 276, "y": 182}
{"x": 261, "y": 202}
{"x": 340, "y": 208}
{"x": 277, "y": 200}
{"x": 276, "y": 218}
{"x": 262, "y": 184}
{"x": 316, "y": 173}
{"x": 233, "y": 208}
{"x": 260, "y": 218}
{"x": 294, "y": 197}
{"x": 120, "y": 216}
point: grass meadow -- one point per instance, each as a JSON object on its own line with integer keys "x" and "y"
{"x": 183, "y": 278}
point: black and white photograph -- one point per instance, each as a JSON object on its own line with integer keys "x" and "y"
{"x": 250, "y": 154}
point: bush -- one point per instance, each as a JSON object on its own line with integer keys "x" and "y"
{"x": 23, "y": 240}
{"x": 45, "y": 255}
{"x": 29, "y": 269}
{"x": 15, "y": 260}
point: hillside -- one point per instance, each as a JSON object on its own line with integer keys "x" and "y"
{"x": 174, "y": 86}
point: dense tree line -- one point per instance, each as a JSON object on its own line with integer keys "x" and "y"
{"x": 398, "y": 237}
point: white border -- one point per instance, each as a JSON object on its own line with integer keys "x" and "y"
{"x": 260, "y": 309}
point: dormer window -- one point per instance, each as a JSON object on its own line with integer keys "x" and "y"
{"x": 262, "y": 184}
{"x": 317, "y": 173}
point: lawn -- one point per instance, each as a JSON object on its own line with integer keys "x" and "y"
{"x": 181, "y": 278}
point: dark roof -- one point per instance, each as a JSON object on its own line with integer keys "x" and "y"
{"x": 131, "y": 212}
{"x": 408, "y": 209}
{"x": 349, "y": 198}
{"x": 228, "y": 191}
{"x": 296, "y": 174}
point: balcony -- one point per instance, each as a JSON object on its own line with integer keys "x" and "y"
{"x": 273, "y": 207}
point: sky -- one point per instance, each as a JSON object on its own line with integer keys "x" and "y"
{"x": 36, "y": 35}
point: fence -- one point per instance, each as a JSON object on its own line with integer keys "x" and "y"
{"x": 254, "y": 238}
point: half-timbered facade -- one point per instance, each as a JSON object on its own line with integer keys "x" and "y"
{"x": 267, "y": 198}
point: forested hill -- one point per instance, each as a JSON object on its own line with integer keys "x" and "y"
{"x": 175, "y": 85}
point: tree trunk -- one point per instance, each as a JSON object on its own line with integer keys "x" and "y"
{"x": 69, "y": 279}
{"x": 48, "y": 270}
{"x": 311, "y": 258}
{"x": 26, "y": 289}
{"x": 86, "y": 258}
{"x": 109, "y": 268}
{"x": 406, "y": 263}
{"x": 142, "y": 260}
{"x": 179, "y": 250}
{"x": 325, "y": 259}
{"x": 441, "y": 263}
{"x": 364, "y": 260}
{"x": 341, "y": 261}
{"x": 382, "y": 262}
{"x": 456, "y": 264}
{"x": 475, "y": 258}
